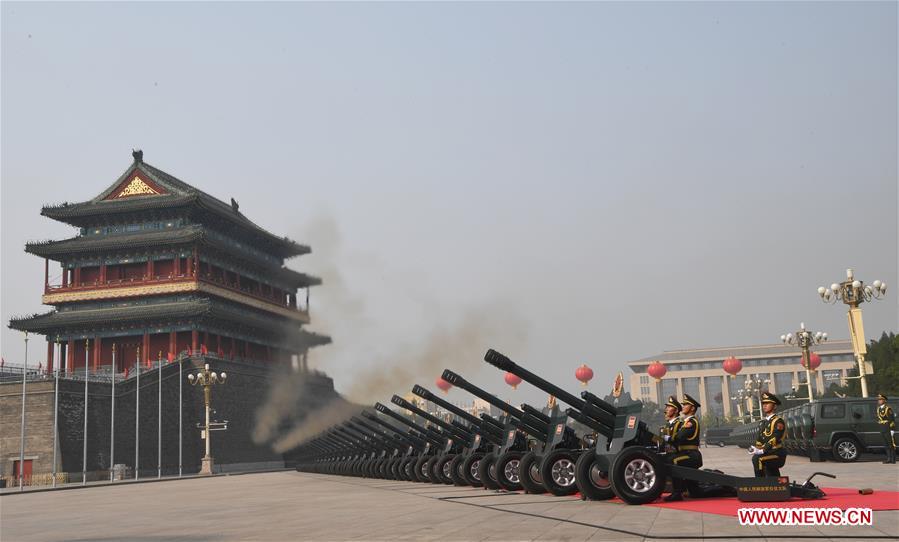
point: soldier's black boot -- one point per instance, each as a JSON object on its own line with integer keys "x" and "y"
{"x": 893, "y": 456}
{"x": 674, "y": 497}
{"x": 889, "y": 459}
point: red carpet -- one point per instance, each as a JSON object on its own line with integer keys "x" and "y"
{"x": 837, "y": 497}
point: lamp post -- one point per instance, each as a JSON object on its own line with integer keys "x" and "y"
{"x": 804, "y": 339}
{"x": 753, "y": 387}
{"x": 207, "y": 379}
{"x": 853, "y": 293}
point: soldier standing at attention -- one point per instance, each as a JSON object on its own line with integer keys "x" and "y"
{"x": 887, "y": 421}
{"x": 686, "y": 442}
{"x": 768, "y": 454}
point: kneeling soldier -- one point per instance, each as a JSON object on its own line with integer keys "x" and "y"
{"x": 686, "y": 441}
{"x": 887, "y": 421}
{"x": 768, "y": 454}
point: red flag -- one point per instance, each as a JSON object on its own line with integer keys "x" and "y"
{"x": 171, "y": 357}
{"x": 221, "y": 354}
{"x": 126, "y": 372}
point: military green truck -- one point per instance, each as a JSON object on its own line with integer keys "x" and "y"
{"x": 842, "y": 428}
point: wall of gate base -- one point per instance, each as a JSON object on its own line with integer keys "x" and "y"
{"x": 237, "y": 402}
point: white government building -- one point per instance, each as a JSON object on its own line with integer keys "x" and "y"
{"x": 700, "y": 373}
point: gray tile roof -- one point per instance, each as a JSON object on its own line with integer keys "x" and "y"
{"x": 180, "y": 194}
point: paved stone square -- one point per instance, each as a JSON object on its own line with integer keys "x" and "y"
{"x": 297, "y": 506}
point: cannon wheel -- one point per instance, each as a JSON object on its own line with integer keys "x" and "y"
{"x": 591, "y": 481}
{"x": 417, "y": 473}
{"x": 487, "y": 471}
{"x": 557, "y": 471}
{"x": 529, "y": 472}
{"x": 430, "y": 467}
{"x": 441, "y": 469}
{"x": 638, "y": 475}
{"x": 406, "y": 469}
{"x": 456, "y": 470}
{"x": 508, "y": 471}
{"x": 470, "y": 469}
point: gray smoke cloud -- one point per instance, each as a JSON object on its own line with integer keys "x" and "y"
{"x": 291, "y": 415}
{"x": 316, "y": 420}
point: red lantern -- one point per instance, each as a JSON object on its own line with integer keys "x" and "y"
{"x": 814, "y": 361}
{"x": 732, "y": 366}
{"x": 512, "y": 380}
{"x": 584, "y": 374}
{"x": 443, "y": 384}
{"x": 657, "y": 370}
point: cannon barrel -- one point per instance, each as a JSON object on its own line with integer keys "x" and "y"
{"x": 413, "y": 438}
{"x": 425, "y": 394}
{"x": 503, "y": 363}
{"x": 579, "y": 416}
{"x": 492, "y": 421}
{"x": 421, "y": 430}
{"x": 489, "y": 429}
{"x": 534, "y": 412}
{"x": 399, "y": 401}
{"x": 395, "y": 438}
{"x": 608, "y": 411}
{"x": 457, "y": 380}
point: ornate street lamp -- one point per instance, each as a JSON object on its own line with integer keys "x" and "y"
{"x": 753, "y": 387}
{"x": 804, "y": 339}
{"x": 207, "y": 379}
{"x": 854, "y": 292}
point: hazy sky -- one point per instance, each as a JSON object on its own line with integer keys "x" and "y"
{"x": 569, "y": 183}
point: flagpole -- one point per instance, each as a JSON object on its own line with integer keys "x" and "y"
{"x": 180, "y": 386}
{"x": 56, "y": 409}
{"x": 22, "y": 435}
{"x": 112, "y": 422}
{"x": 159, "y": 419}
{"x": 137, "y": 418}
{"x": 87, "y": 351}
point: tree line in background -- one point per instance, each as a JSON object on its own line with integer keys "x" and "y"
{"x": 884, "y": 356}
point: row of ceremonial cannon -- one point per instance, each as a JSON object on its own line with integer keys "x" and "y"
{"x": 525, "y": 449}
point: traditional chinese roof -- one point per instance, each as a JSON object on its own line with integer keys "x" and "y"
{"x": 96, "y": 245}
{"x": 193, "y": 309}
{"x": 144, "y": 188}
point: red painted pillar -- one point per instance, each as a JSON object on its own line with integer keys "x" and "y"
{"x": 70, "y": 356}
{"x": 233, "y": 351}
{"x": 149, "y": 270}
{"x": 49, "y": 354}
{"x": 103, "y": 273}
{"x": 246, "y": 349}
{"x": 77, "y": 279}
{"x": 98, "y": 349}
{"x": 194, "y": 270}
{"x": 194, "y": 339}
{"x": 206, "y": 339}
{"x": 146, "y": 349}
{"x": 173, "y": 342}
